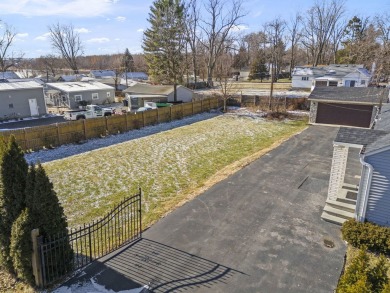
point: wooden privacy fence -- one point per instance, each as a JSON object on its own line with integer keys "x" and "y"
{"x": 47, "y": 136}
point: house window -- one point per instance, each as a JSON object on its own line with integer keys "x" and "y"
{"x": 95, "y": 96}
{"x": 305, "y": 78}
{"x": 11, "y": 106}
{"x": 78, "y": 98}
{"x": 349, "y": 83}
{"x": 108, "y": 94}
{"x": 362, "y": 82}
{"x": 332, "y": 83}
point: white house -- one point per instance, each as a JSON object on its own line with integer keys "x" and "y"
{"x": 346, "y": 75}
{"x": 302, "y": 77}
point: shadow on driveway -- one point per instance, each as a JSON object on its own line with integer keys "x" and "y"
{"x": 149, "y": 266}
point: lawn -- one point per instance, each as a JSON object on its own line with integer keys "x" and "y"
{"x": 170, "y": 167}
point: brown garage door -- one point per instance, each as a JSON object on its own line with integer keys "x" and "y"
{"x": 344, "y": 114}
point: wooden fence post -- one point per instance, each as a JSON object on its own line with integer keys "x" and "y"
{"x": 127, "y": 123}
{"x": 170, "y": 113}
{"x": 35, "y": 259}
{"x": 192, "y": 107}
{"x": 85, "y": 129}
{"x": 143, "y": 119}
{"x": 201, "y": 105}
{"x": 182, "y": 111}
{"x": 58, "y": 135}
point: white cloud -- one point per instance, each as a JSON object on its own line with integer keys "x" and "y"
{"x": 82, "y": 30}
{"x": 42, "y": 37}
{"x": 22, "y": 35}
{"x": 78, "y": 8}
{"x": 117, "y": 39}
{"x": 98, "y": 40}
{"x": 141, "y": 30}
{"x": 120, "y": 18}
{"x": 240, "y": 27}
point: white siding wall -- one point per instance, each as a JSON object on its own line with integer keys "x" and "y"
{"x": 297, "y": 82}
{"x": 357, "y": 77}
{"x": 378, "y": 205}
{"x": 337, "y": 173}
{"x": 361, "y": 193}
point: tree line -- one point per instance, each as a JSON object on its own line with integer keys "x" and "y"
{"x": 205, "y": 39}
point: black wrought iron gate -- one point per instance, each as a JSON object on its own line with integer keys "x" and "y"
{"x": 62, "y": 254}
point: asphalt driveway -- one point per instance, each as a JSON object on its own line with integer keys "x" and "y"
{"x": 257, "y": 231}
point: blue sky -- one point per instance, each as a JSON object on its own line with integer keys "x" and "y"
{"x": 110, "y": 26}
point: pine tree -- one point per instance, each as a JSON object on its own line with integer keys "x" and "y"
{"x": 48, "y": 216}
{"x": 164, "y": 42}
{"x": 13, "y": 171}
{"x": 21, "y": 246}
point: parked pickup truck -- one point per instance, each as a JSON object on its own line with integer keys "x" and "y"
{"x": 91, "y": 111}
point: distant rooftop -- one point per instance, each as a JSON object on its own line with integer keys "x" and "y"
{"x": 8, "y": 75}
{"x": 102, "y": 73}
{"x": 7, "y": 86}
{"x": 79, "y": 86}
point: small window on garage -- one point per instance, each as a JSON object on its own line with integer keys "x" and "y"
{"x": 78, "y": 98}
{"x": 305, "y": 78}
{"x": 95, "y": 96}
{"x": 11, "y": 106}
{"x": 108, "y": 94}
{"x": 362, "y": 82}
{"x": 332, "y": 83}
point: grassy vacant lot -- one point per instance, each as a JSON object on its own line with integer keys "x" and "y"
{"x": 170, "y": 167}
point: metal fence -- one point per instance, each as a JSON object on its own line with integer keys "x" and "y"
{"x": 62, "y": 254}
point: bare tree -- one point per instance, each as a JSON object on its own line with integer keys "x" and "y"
{"x": 295, "y": 35}
{"x": 225, "y": 81}
{"x": 6, "y": 40}
{"x": 383, "y": 55}
{"x": 191, "y": 27}
{"x": 50, "y": 64}
{"x": 221, "y": 16}
{"x": 274, "y": 31}
{"x": 319, "y": 25}
{"x": 66, "y": 41}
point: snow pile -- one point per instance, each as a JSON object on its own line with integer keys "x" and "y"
{"x": 94, "y": 287}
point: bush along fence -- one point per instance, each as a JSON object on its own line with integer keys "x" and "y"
{"x": 54, "y": 135}
{"x": 56, "y": 256}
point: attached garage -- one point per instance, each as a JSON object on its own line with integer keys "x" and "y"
{"x": 356, "y": 107}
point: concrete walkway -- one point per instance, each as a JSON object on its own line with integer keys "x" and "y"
{"x": 257, "y": 231}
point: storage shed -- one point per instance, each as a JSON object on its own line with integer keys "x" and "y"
{"x": 346, "y": 106}
{"x": 21, "y": 99}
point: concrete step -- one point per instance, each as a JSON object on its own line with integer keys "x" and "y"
{"x": 349, "y": 207}
{"x": 338, "y": 212}
{"x": 332, "y": 219}
{"x": 347, "y": 200}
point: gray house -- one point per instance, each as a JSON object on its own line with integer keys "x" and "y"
{"x": 368, "y": 199}
{"x": 70, "y": 94}
{"x": 139, "y": 93}
{"x": 21, "y": 99}
{"x": 348, "y": 106}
